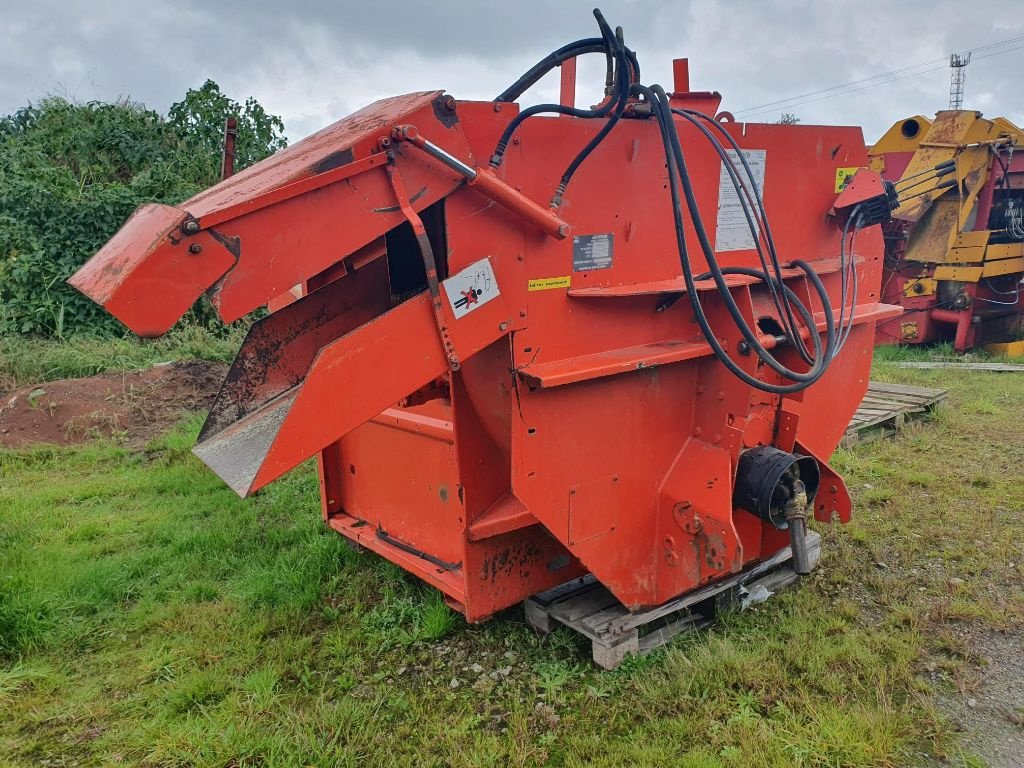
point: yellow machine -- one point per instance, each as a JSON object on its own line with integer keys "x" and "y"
{"x": 955, "y": 248}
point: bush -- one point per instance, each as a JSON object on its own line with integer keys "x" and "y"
{"x": 71, "y": 174}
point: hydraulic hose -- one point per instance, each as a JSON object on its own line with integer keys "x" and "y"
{"x": 675, "y": 154}
{"x": 552, "y": 60}
{"x": 760, "y": 230}
{"x": 622, "y": 84}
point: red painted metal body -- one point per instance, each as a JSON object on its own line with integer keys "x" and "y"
{"x": 554, "y": 422}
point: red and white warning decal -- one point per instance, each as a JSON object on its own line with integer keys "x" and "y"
{"x": 471, "y": 288}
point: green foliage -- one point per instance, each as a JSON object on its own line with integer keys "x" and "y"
{"x": 199, "y": 119}
{"x": 71, "y": 174}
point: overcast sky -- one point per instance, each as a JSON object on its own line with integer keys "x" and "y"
{"x": 314, "y": 62}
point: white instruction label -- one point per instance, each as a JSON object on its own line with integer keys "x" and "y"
{"x": 471, "y": 288}
{"x": 733, "y": 230}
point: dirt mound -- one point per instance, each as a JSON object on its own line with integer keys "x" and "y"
{"x": 131, "y": 407}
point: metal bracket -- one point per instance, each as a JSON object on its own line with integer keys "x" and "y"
{"x": 426, "y": 252}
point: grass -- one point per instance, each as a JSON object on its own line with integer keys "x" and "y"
{"x": 149, "y": 617}
{"x": 26, "y": 361}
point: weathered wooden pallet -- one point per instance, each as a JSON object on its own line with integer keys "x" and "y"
{"x": 960, "y": 366}
{"x": 587, "y": 607}
{"x": 886, "y": 408}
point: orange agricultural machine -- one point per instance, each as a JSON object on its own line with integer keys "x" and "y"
{"x": 954, "y": 254}
{"x": 621, "y": 339}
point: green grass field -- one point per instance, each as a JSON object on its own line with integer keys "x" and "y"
{"x": 150, "y": 617}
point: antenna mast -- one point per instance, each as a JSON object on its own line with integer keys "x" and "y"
{"x": 958, "y": 64}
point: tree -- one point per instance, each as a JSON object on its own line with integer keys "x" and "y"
{"x": 71, "y": 174}
{"x": 788, "y": 118}
{"x": 199, "y": 120}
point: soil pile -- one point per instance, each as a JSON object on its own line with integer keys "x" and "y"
{"x": 129, "y": 406}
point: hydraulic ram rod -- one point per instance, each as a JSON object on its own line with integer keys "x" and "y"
{"x": 488, "y": 184}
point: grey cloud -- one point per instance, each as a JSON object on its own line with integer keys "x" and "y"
{"x": 314, "y": 62}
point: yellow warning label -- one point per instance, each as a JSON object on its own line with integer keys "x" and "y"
{"x": 843, "y": 177}
{"x": 547, "y": 283}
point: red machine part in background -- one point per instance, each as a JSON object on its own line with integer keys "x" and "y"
{"x": 504, "y": 394}
{"x": 955, "y": 247}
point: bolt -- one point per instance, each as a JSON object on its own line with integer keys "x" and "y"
{"x": 697, "y": 431}
{"x": 520, "y": 257}
{"x": 833, "y": 489}
{"x": 721, "y": 394}
{"x": 563, "y": 230}
{"x": 503, "y": 327}
{"x": 449, "y": 103}
{"x": 700, "y": 389}
{"x": 453, "y": 358}
{"x": 522, "y": 313}
{"x": 195, "y": 248}
{"x": 497, "y": 106}
{"x": 190, "y": 227}
{"x": 718, "y": 438}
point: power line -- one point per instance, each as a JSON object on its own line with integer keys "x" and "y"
{"x": 851, "y": 90}
{"x": 838, "y": 87}
{"x": 875, "y": 80}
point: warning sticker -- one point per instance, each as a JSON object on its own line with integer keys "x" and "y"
{"x": 547, "y": 283}
{"x": 471, "y": 288}
{"x": 844, "y": 176}
{"x": 733, "y": 231}
{"x": 591, "y": 252}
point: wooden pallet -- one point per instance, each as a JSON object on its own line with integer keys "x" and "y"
{"x": 585, "y": 606}
{"x": 962, "y": 366}
{"x": 887, "y": 407}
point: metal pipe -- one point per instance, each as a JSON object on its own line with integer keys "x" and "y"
{"x": 488, "y": 184}
{"x": 937, "y": 175}
{"x": 944, "y": 185}
{"x": 449, "y": 160}
{"x": 950, "y": 163}
{"x": 798, "y": 545}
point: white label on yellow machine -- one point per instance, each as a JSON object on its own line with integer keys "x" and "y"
{"x": 733, "y": 231}
{"x": 471, "y": 288}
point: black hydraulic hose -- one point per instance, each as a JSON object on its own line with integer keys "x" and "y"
{"x": 552, "y": 60}
{"x": 817, "y": 369}
{"x": 785, "y": 311}
{"x": 759, "y": 230}
{"x": 600, "y": 111}
{"x": 667, "y": 129}
{"x": 621, "y": 99}
{"x": 622, "y": 83}
{"x": 1005, "y": 179}
{"x": 848, "y": 276}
